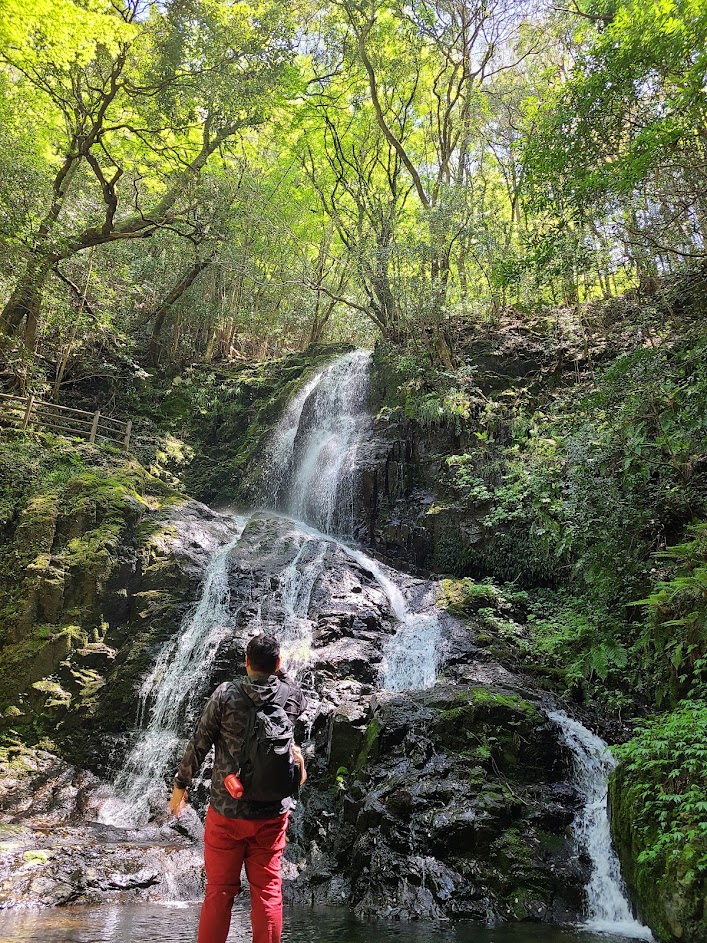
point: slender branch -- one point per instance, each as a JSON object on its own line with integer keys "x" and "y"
{"x": 592, "y": 17}
{"x": 348, "y": 303}
{"x": 85, "y": 306}
{"x": 378, "y": 108}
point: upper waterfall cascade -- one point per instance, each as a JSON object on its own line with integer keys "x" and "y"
{"x": 312, "y": 452}
{"x": 311, "y": 476}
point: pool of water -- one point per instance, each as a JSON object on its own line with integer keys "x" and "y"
{"x": 155, "y": 923}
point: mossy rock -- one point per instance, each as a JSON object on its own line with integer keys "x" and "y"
{"x": 494, "y": 728}
{"x": 670, "y": 894}
{"x": 369, "y": 751}
{"x": 464, "y": 597}
{"x": 29, "y": 661}
{"x": 80, "y": 516}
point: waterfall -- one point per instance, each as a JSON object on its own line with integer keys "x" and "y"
{"x": 311, "y": 455}
{"x": 280, "y": 448}
{"x": 311, "y": 458}
{"x": 171, "y": 694}
{"x": 311, "y": 462}
{"x": 608, "y": 908}
{"x": 411, "y": 656}
{"x": 310, "y": 480}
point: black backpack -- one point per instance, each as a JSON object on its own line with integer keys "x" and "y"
{"x": 267, "y": 770}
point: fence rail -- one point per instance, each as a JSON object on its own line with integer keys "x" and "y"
{"x": 20, "y": 412}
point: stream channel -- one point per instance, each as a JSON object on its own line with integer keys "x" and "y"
{"x": 306, "y": 523}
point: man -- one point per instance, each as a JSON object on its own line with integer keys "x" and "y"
{"x": 239, "y": 831}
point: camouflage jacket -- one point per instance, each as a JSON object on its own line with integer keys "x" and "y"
{"x": 222, "y": 725}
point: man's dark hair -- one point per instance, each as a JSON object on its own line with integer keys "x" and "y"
{"x": 263, "y": 652}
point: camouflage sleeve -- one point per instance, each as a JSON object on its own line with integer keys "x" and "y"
{"x": 204, "y": 736}
{"x": 233, "y": 721}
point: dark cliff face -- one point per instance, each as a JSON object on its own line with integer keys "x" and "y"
{"x": 100, "y": 562}
{"x": 411, "y": 511}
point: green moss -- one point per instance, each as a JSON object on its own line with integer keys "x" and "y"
{"x": 464, "y": 596}
{"x": 488, "y": 698}
{"x": 37, "y": 856}
{"x": 29, "y": 661}
{"x": 66, "y": 511}
{"x": 56, "y": 695}
{"x": 370, "y": 749}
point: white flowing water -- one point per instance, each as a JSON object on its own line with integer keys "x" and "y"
{"x": 410, "y": 658}
{"x": 170, "y": 694}
{"x": 312, "y": 451}
{"x": 311, "y": 477}
{"x": 297, "y": 583}
{"x": 608, "y": 909}
{"x": 280, "y": 448}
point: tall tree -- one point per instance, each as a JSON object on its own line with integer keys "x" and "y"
{"x": 138, "y": 107}
{"x": 624, "y": 137}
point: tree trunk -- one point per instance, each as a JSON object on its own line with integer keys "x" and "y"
{"x": 186, "y": 281}
{"x": 24, "y": 303}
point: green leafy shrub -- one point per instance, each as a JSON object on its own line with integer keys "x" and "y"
{"x": 583, "y": 642}
{"x": 676, "y": 629}
{"x": 453, "y": 409}
{"x": 659, "y": 812}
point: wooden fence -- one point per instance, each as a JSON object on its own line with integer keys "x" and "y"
{"x": 23, "y": 411}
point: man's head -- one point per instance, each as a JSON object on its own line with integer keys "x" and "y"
{"x": 262, "y": 656}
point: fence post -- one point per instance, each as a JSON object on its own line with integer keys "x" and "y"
{"x": 28, "y": 411}
{"x": 128, "y": 430}
{"x": 94, "y": 427}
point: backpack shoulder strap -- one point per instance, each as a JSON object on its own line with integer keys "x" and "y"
{"x": 283, "y": 693}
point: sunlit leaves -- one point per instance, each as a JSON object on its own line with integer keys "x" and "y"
{"x": 628, "y": 125}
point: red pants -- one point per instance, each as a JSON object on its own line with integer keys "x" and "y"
{"x": 228, "y": 843}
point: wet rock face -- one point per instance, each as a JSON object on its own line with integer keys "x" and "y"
{"x": 447, "y": 802}
{"x": 53, "y": 852}
{"x": 332, "y": 615}
{"x": 453, "y": 803}
{"x": 407, "y": 505}
{"x": 450, "y": 802}
{"x": 409, "y": 509}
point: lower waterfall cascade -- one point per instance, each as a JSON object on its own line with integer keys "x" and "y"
{"x": 309, "y": 488}
{"x": 170, "y": 694}
{"x": 608, "y": 908}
